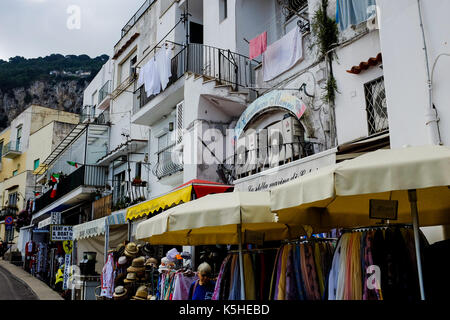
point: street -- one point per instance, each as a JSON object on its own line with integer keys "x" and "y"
{"x": 12, "y": 288}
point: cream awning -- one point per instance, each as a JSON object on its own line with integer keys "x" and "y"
{"x": 338, "y": 196}
{"x": 96, "y": 227}
{"x": 213, "y": 219}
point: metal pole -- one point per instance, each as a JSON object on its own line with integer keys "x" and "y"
{"x": 106, "y": 240}
{"x": 412, "y": 196}
{"x": 241, "y": 264}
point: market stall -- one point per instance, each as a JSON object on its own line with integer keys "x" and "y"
{"x": 398, "y": 185}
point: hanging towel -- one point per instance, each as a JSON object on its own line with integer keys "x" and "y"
{"x": 152, "y": 80}
{"x": 283, "y": 54}
{"x": 258, "y": 45}
{"x": 163, "y": 63}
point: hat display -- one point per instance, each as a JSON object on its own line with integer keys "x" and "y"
{"x": 137, "y": 265}
{"x": 141, "y": 293}
{"x": 131, "y": 250}
{"x": 122, "y": 260}
{"x": 119, "y": 293}
{"x": 171, "y": 254}
{"x": 186, "y": 255}
{"x": 151, "y": 262}
{"x": 147, "y": 249}
{"x": 131, "y": 277}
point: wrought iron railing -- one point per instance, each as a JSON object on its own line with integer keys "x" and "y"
{"x": 87, "y": 175}
{"x": 136, "y": 16}
{"x": 227, "y": 67}
{"x": 169, "y": 162}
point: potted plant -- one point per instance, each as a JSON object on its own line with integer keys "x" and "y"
{"x": 136, "y": 181}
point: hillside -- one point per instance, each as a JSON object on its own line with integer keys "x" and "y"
{"x": 55, "y": 81}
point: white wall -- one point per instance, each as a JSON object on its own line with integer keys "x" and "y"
{"x": 405, "y": 68}
{"x": 105, "y": 74}
{"x": 351, "y": 115}
{"x": 219, "y": 34}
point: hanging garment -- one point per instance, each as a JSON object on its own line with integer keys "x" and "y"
{"x": 309, "y": 273}
{"x": 181, "y": 286}
{"x": 291, "y": 286}
{"x": 342, "y": 267}
{"x": 353, "y": 12}
{"x": 273, "y": 281}
{"x": 163, "y": 63}
{"x": 298, "y": 274}
{"x": 334, "y": 272}
{"x": 319, "y": 269}
{"x": 107, "y": 282}
{"x": 249, "y": 277}
{"x": 355, "y": 267}
{"x": 219, "y": 278}
{"x": 226, "y": 280}
{"x": 373, "y": 293}
{"x": 258, "y": 45}
{"x": 235, "y": 291}
{"x": 152, "y": 81}
{"x": 283, "y": 54}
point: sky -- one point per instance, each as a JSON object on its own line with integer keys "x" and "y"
{"x": 37, "y": 28}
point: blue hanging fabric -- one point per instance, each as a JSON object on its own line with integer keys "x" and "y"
{"x": 353, "y": 12}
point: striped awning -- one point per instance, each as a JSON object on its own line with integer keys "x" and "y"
{"x": 96, "y": 227}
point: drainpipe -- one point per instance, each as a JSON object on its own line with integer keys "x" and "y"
{"x": 431, "y": 116}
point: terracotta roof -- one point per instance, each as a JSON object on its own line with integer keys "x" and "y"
{"x": 364, "y": 65}
{"x": 126, "y": 45}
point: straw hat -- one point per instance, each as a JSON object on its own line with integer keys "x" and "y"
{"x": 131, "y": 277}
{"x": 137, "y": 265}
{"x": 151, "y": 262}
{"x": 119, "y": 293}
{"x": 131, "y": 250}
{"x": 141, "y": 293}
{"x": 120, "y": 249}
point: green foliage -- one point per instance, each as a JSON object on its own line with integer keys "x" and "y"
{"x": 331, "y": 89}
{"x": 21, "y": 72}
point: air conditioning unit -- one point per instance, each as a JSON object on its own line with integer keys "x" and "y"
{"x": 263, "y": 151}
{"x": 284, "y": 141}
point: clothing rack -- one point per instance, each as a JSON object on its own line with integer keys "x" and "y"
{"x": 252, "y": 250}
{"x": 312, "y": 239}
{"x": 377, "y": 227}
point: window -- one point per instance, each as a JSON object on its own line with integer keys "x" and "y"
{"x": 290, "y": 7}
{"x": 19, "y": 137}
{"x": 36, "y": 164}
{"x": 223, "y": 10}
{"x": 15, "y": 173}
{"x": 12, "y": 199}
{"x": 120, "y": 186}
{"x": 138, "y": 170}
{"x": 132, "y": 64}
{"x": 377, "y": 116}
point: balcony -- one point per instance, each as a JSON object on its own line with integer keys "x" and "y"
{"x": 169, "y": 162}
{"x": 87, "y": 175}
{"x": 12, "y": 150}
{"x": 224, "y": 66}
{"x": 88, "y": 116}
{"x": 104, "y": 95}
{"x": 8, "y": 211}
{"x": 136, "y": 17}
{"x": 102, "y": 207}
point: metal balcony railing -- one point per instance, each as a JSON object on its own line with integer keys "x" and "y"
{"x": 87, "y": 175}
{"x": 136, "y": 17}
{"x": 169, "y": 162}
{"x": 8, "y": 211}
{"x": 227, "y": 67}
{"x": 88, "y": 115}
{"x": 12, "y": 149}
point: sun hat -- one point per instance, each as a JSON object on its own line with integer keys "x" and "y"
{"x": 137, "y": 265}
{"x": 119, "y": 293}
{"x": 141, "y": 293}
{"x": 131, "y": 250}
{"x": 122, "y": 260}
{"x": 151, "y": 262}
{"x": 131, "y": 277}
{"x": 171, "y": 254}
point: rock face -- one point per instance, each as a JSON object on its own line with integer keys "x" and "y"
{"x": 64, "y": 95}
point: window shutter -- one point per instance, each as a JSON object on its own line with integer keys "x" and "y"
{"x": 179, "y": 122}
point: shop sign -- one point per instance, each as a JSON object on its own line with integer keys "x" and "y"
{"x": 55, "y": 218}
{"x": 67, "y": 267}
{"x": 45, "y": 223}
{"x": 272, "y": 99}
{"x": 271, "y": 178}
{"x": 383, "y": 209}
{"x": 68, "y": 246}
{"x": 61, "y": 233}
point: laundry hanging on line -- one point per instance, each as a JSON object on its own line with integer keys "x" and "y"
{"x": 283, "y": 54}
{"x": 258, "y": 45}
{"x": 353, "y": 12}
{"x": 155, "y": 74}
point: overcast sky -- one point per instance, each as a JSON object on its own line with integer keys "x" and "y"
{"x": 34, "y": 28}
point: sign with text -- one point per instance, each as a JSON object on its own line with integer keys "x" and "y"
{"x": 55, "y": 218}
{"x": 67, "y": 267}
{"x": 383, "y": 209}
{"x": 61, "y": 233}
{"x": 271, "y": 178}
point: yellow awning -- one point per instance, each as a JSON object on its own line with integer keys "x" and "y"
{"x": 163, "y": 202}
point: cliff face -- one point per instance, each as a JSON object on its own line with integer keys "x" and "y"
{"x": 64, "y": 95}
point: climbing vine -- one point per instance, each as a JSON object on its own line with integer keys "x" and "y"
{"x": 326, "y": 38}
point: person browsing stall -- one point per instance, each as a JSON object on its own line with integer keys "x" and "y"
{"x": 203, "y": 288}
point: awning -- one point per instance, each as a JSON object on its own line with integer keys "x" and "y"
{"x": 213, "y": 219}
{"x": 204, "y": 187}
{"x": 162, "y": 202}
{"x": 96, "y": 227}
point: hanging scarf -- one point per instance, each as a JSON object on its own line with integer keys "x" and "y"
{"x": 342, "y": 267}
{"x": 309, "y": 274}
{"x": 298, "y": 273}
{"x": 219, "y": 278}
{"x": 282, "y": 278}
{"x": 274, "y": 275}
{"x": 318, "y": 263}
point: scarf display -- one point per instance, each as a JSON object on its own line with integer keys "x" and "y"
{"x": 300, "y": 270}
{"x": 375, "y": 264}
{"x": 174, "y": 285}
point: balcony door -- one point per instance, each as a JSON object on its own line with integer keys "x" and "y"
{"x": 19, "y": 137}
{"x": 120, "y": 187}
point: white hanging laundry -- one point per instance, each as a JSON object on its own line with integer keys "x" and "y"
{"x": 152, "y": 81}
{"x": 283, "y": 54}
{"x": 163, "y": 62}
